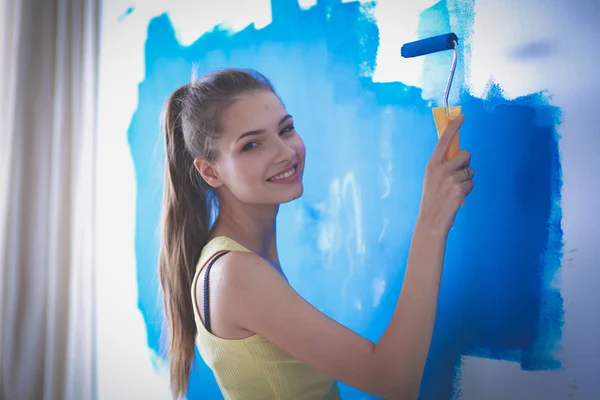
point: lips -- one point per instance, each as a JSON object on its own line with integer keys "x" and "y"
{"x": 282, "y": 174}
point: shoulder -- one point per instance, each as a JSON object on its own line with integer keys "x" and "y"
{"x": 237, "y": 280}
{"x": 239, "y": 272}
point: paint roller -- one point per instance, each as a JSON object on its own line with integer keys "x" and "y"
{"x": 441, "y": 115}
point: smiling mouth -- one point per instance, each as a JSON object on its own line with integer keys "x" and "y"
{"x": 285, "y": 175}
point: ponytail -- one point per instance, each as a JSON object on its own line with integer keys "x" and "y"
{"x": 185, "y": 230}
{"x": 191, "y": 120}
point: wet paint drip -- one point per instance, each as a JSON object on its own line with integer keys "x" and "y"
{"x": 346, "y": 240}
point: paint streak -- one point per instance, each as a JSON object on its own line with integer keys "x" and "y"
{"x": 344, "y": 247}
{"x": 126, "y": 14}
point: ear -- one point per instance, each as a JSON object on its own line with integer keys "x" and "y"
{"x": 208, "y": 172}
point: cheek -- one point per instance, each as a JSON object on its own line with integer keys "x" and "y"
{"x": 245, "y": 169}
{"x": 299, "y": 147}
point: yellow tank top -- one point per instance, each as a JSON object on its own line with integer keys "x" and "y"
{"x": 254, "y": 368}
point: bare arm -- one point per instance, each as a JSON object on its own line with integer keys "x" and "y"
{"x": 402, "y": 349}
{"x": 258, "y": 299}
{"x": 404, "y": 346}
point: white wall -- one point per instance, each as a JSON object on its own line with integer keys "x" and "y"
{"x": 567, "y": 70}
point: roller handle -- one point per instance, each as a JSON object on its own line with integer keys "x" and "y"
{"x": 429, "y": 45}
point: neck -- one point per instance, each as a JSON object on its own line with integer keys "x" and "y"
{"x": 253, "y": 226}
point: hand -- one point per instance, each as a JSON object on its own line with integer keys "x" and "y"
{"x": 446, "y": 183}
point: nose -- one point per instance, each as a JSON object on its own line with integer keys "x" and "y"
{"x": 285, "y": 152}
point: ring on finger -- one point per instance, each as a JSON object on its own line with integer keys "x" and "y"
{"x": 466, "y": 173}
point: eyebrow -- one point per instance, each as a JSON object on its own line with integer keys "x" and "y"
{"x": 259, "y": 131}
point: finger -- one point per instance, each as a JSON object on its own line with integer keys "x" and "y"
{"x": 461, "y": 160}
{"x": 467, "y": 187}
{"x": 446, "y": 139}
{"x": 464, "y": 174}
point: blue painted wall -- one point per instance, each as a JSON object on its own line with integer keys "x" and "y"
{"x": 344, "y": 244}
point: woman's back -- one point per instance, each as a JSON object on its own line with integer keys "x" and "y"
{"x": 253, "y": 368}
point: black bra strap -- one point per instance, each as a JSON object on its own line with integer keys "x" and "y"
{"x": 206, "y": 308}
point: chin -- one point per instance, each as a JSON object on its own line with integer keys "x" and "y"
{"x": 290, "y": 193}
{"x": 294, "y": 194}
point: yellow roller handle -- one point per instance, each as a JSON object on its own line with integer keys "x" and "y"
{"x": 441, "y": 122}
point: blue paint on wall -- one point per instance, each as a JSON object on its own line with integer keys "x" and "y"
{"x": 126, "y": 14}
{"x": 344, "y": 244}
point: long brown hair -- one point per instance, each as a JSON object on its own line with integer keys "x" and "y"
{"x": 191, "y": 127}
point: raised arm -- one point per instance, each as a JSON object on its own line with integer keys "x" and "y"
{"x": 404, "y": 345}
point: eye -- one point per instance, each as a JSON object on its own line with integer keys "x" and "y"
{"x": 287, "y": 129}
{"x": 249, "y": 146}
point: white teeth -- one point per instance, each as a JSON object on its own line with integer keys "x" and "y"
{"x": 285, "y": 175}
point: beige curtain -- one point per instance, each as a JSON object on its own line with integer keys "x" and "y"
{"x": 48, "y": 57}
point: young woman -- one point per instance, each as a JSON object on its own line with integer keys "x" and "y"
{"x": 232, "y": 157}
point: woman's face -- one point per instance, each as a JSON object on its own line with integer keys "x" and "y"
{"x": 261, "y": 157}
